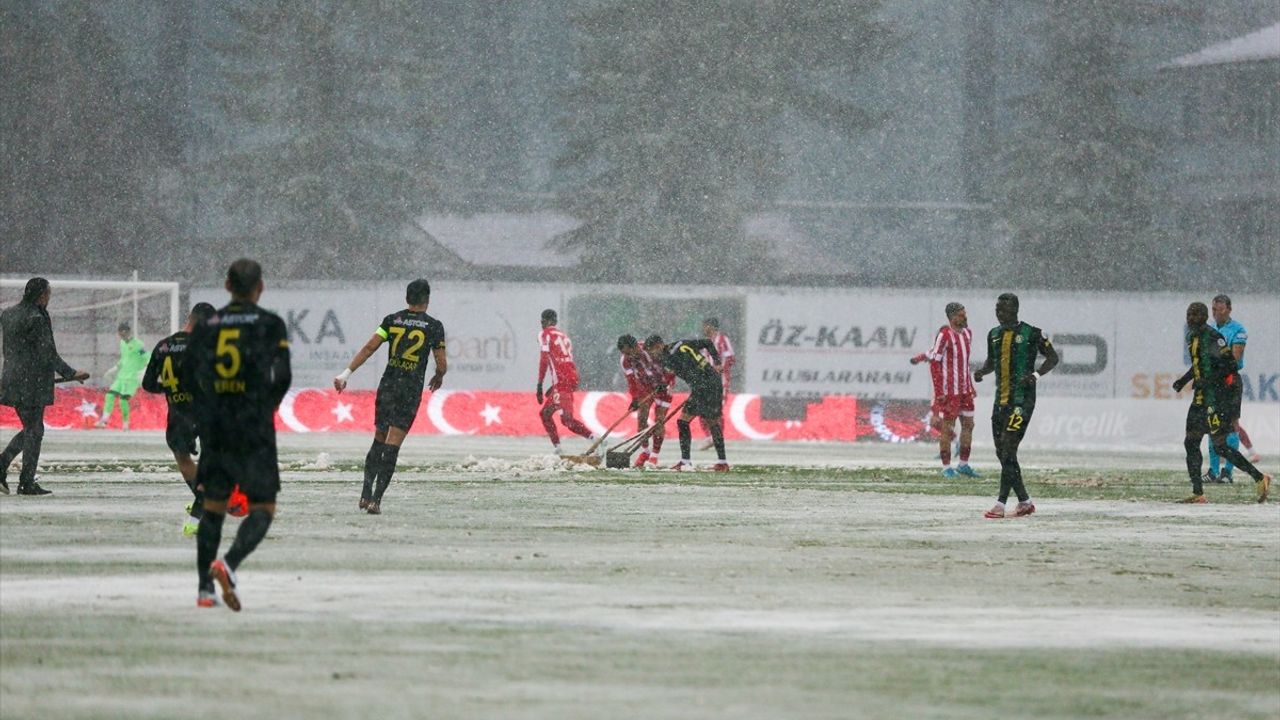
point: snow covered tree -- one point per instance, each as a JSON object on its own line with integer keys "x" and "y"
{"x": 328, "y": 106}
{"x": 673, "y": 126}
{"x": 1073, "y": 181}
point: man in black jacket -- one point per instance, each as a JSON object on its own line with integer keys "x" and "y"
{"x": 26, "y": 384}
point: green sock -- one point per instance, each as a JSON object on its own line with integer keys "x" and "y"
{"x": 108, "y": 406}
{"x": 124, "y": 409}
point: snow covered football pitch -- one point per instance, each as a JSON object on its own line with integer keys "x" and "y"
{"x": 813, "y": 581}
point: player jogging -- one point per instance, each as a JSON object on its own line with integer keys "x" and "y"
{"x": 1237, "y": 338}
{"x": 237, "y": 367}
{"x": 164, "y": 375}
{"x": 952, "y": 388}
{"x": 412, "y": 334}
{"x": 128, "y": 375}
{"x": 649, "y": 385}
{"x": 685, "y": 358}
{"x": 1215, "y": 404}
{"x": 556, "y": 361}
{"x": 1012, "y": 348}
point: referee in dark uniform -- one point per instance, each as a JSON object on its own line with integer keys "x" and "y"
{"x": 412, "y": 334}
{"x": 238, "y": 367}
{"x": 685, "y": 358}
{"x": 1012, "y": 349}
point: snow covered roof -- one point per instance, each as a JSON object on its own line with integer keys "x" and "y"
{"x": 503, "y": 239}
{"x": 1261, "y": 44}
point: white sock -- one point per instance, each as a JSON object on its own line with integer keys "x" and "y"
{"x": 999, "y": 504}
{"x": 946, "y": 464}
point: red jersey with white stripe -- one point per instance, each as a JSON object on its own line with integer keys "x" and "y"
{"x": 556, "y": 359}
{"x": 644, "y": 374}
{"x": 949, "y": 362}
{"x": 725, "y": 348}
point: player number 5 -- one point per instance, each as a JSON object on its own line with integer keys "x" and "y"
{"x": 228, "y": 351}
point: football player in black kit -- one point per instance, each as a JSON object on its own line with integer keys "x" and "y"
{"x": 412, "y": 333}
{"x": 685, "y": 358}
{"x": 237, "y": 368}
{"x": 164, "y": 375}
{"x": 1215, "y": 404}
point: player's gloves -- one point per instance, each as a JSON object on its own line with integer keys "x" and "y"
{"x": 661, "y": 387}
{"x": 977, "y": 376}
{"x": 635, "y": 405}
{"x": 539, "y": 393}
{"x": 918, "y": 359}
{"x": 1179, "y": 384}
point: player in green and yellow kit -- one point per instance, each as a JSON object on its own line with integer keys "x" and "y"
{"x": 1215, "y": 404}
{"x": 1012, "y": 349}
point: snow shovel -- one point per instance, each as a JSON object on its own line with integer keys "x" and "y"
{"x": 619, "y": 456}
{"x": 589, "y": 457}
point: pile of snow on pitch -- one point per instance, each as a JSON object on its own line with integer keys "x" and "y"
{"x": 528, "y": 466}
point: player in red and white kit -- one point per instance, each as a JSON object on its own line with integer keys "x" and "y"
{"x": 556, "y": 360}
{"x": 953, "y": 391}
{"x": 711, "y": 331}
{"x": 649, "y": 384}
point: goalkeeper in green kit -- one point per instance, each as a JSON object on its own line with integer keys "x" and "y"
{"x": 128, "y": 375}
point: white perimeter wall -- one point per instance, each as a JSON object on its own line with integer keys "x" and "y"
{"x": 1120, "y": 351}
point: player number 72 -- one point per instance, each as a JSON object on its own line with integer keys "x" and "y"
{"x": 416, "y": 337}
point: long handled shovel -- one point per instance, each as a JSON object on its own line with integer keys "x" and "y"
{"x": 619, "y": 456}
{"x": 589, "y": 457}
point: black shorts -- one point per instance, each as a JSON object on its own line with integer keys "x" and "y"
{"x": 395, "y": 409}
{"x": 255, "y": 471}
{"x": 1011, "y": 420}
{"x": 1211, "y": 420}
{"x": 180, "y": 434}
{"x": 706, "y": 401}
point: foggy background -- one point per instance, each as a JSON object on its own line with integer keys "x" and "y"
{"x": 992, "y": 143}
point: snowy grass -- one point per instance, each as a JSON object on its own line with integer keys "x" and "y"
{"x": 813, "y": 581}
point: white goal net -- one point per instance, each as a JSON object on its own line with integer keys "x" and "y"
{"x": 86, "y": 313}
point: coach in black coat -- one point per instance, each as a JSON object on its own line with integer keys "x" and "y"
{"x": 26, "y": 383}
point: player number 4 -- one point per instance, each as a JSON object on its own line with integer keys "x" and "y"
{"x": 167, "y": 378}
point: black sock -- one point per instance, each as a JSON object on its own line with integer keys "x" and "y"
{"x": 252, "y": 529}
{"x": 1195, "y": 461}
{"x": 1237, "y": 458}
{"x": 717, "y": 437}
{"x": 686, "y": 438}
{"x": 372, "y": 461}
{"x": 1015, "y": 479}
{"x": 390, "y": 455}
{"x": 208, "y": 537}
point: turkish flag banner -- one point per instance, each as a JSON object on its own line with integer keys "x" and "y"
{"x": 467, "y": 412}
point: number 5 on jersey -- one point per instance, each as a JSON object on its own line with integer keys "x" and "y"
{"x": 228, "y": 352}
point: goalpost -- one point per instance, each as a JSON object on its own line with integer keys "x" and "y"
{"x": 86, "y": 313}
